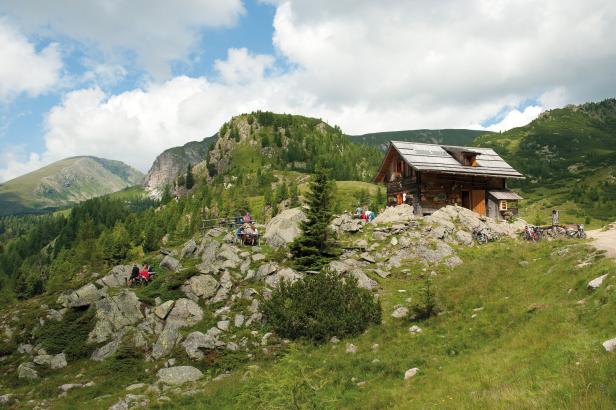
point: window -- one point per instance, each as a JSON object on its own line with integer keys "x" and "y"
{"x": 502, "y": 205}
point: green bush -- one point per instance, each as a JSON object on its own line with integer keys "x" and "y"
{"x": 321, "y": 306}
{"x": 69, "y": 335}
{"x": 426, "y": 304}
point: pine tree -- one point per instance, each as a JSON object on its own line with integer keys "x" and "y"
{"x": 166, "y": 196}
{"x": 294, "y": 195}
{"x": 315, "y": 248}
{"x": 190, "y": 179}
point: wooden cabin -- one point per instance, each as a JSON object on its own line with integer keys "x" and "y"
{"x": 431, "y": 176}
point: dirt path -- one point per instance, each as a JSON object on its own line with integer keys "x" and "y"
{"x": 604, "y": 240}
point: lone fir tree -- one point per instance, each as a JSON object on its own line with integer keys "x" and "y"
{"x": 315, "y": 247}
{"x": 190, "y": 179}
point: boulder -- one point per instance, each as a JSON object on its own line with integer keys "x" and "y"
{"x": 188, "y": 249}
{"x": 196, "y": 341}
{"x": 166, "y": 342}
{"x": 400, "y": 312}
{"x": 201, "y": 286}
{"x": 463, "y": 237}
{"x": 84, "y": 296}
{"x": 113, "y": 314}
{"x": 338, "y": 267}
{"x": 410, "y": 373}
{"x": 258, "y": 257}
{"x": 346, "y": 223}
{"x": 395, "y": 214}
{"x": 266, "y": 269}
{"x": 363, "y": 281}
{"x": 27, "y": 371}
{"x": 178, "y": 375}
{"x": 415, "y": 329}
{"x": 610, "y": 345}
{"x": 106, "y": 351}
{"x": 597, "y": 282}
{"x": 225, "y": 287}
{"x": 53, "y": 361}
{"x": 239, "y": 320}
{"x": 185, "y": 312}
{"x": 223, "y": 325}
{"x": 288, "y": 275}
{"x": 351, "y": 348}
{"x": 116, "y": 277}
{"x": 162, "y": 310}
{"x": 170, "y": 263}
{"x": 282, "y": 229}
{"x": 210, "y": 249}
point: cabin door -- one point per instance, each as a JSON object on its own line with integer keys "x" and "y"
{"x": 466, "y": 199}
{"x": 478, "y": 198}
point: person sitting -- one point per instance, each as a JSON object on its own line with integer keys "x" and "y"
{"x": 134, "y": 274}
{"x": 238, "y": 220}
{"x": 370, "y": 216}
{"x": 144, "y": 274}
{"x": 255, "y": 234}
{"x": 247, "y": 218}
{"x": 248, "y": 235}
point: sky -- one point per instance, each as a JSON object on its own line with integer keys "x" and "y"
{"x": 127, "y": 79}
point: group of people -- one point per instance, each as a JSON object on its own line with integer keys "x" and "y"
{"x": 248, "y": 234}
{"x": 364, "y": 214}
{"x": 246, "y": 231}
{"x": 141, "y": 276}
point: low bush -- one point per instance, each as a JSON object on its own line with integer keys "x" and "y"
{"x": 69, "y": 335}
{"x": 425, "y": 305}
{"x": 321, "y": 306}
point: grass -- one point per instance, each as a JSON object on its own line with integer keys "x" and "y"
{"x": 529, "y": 344}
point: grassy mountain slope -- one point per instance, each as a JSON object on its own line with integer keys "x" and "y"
{"x": 510, "y": 336}
{"x": 444, "y": 136}
{"x": 65, "y": 182}
{"x": 569, "y": 158}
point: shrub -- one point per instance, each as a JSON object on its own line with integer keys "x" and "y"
{"x": 426, "y": 304}
{"x": 321, "y": 306}
{"x": 69, "y": 335}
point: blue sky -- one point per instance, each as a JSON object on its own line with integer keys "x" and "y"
{"x": 128, "y": 79}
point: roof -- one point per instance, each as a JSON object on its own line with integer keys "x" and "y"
{"x": 505, "y": 194}
{"x": 436, "y": 158}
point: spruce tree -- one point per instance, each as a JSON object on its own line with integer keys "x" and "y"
{"x": 314, "y": 248}
{"x": 190, "y": 179}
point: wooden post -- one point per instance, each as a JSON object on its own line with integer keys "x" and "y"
{"x": 417, "y": 196}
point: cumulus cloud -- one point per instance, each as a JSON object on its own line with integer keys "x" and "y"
{"x": 23, "y": 69}
{"x": 156, "y": 31}
{"x": 366, "y": 66}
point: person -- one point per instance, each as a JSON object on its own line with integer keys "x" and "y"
{"x": 239, "y": 233}
{"x": 555, "y": 221}
{"x": 248, "y": 232}
{"x": 370, "y": 216}
{"x": 144, "y": 274}
{"x": 247, "y": 218}
{"x": 134, "y": 274}
{"x": 238, "y": 219}
{"x": 255, "y": 234}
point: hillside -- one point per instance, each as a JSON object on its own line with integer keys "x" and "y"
{"x": 65, "y": 182}
{"x": 569, "y": 158}
{"x": 173, "y": 162}
{"x": 462, "y": 137}
{"x": 197, "y": 337}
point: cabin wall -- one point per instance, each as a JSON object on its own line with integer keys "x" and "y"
{"x": 439, "y": 190}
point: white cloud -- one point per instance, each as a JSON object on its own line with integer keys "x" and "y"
{"x": 366, "y": 66}
{"x": 23, "y": 69}
{"x": 242, "y": 67}
{"x": 157, "y": 31}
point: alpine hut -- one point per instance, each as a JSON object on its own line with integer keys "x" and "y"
{"x": 430, "y": 176}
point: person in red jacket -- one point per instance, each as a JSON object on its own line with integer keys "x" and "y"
{"x": 144, "y": 273}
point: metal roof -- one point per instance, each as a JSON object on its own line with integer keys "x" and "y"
{"x": 435, "y": 158}
{"x": 505, "y": 194}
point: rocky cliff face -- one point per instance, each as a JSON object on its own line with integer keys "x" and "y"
{"x": 173, "y": 162}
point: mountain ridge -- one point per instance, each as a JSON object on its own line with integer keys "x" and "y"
{"x": 65, "y": 182}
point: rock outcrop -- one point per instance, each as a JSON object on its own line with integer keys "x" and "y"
{"x": 284, "y": 227}
{"x": 173, "y": 162}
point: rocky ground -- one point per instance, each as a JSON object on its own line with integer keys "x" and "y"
{"x": 220, "y": 287}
